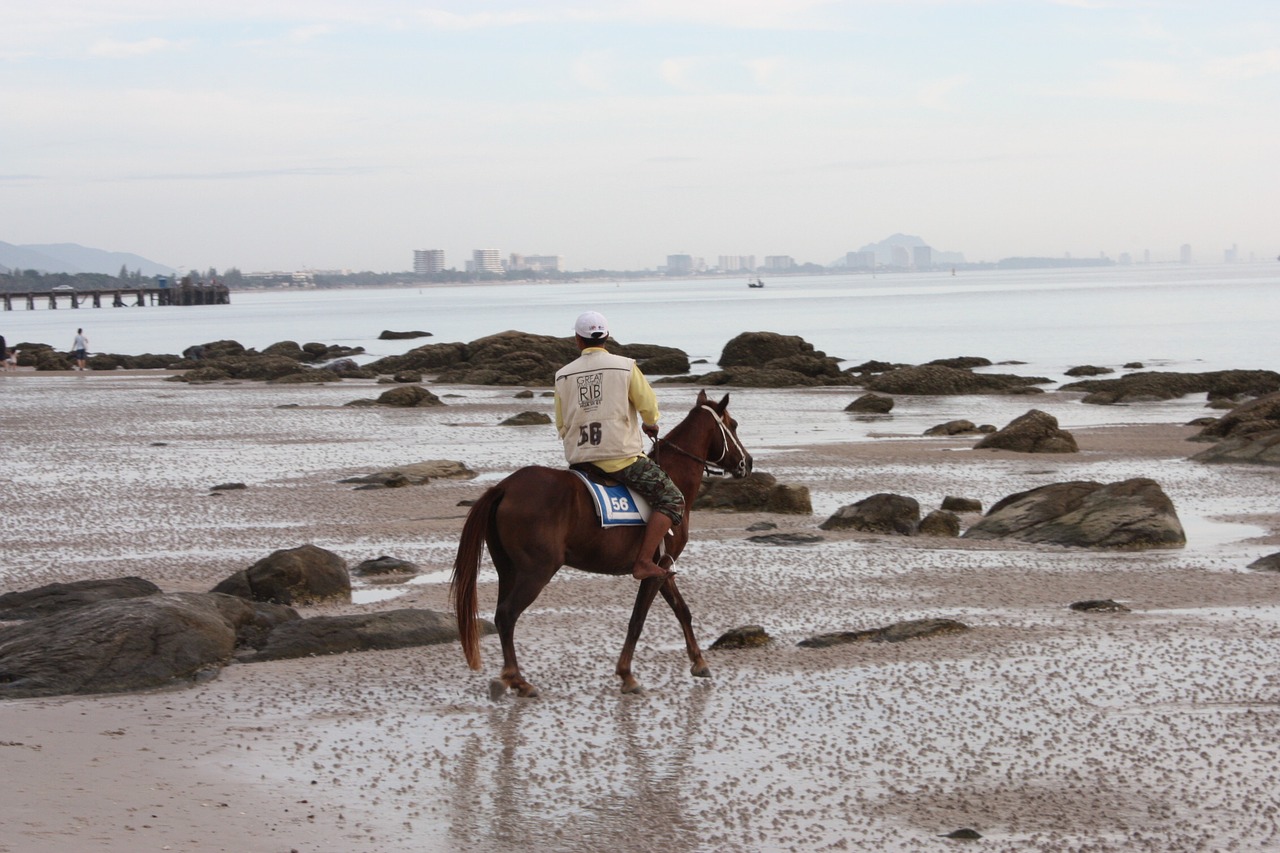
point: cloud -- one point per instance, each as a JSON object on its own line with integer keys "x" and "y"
{"x": 937, "y": 94}
{"x": 1244, "y": 67}
{"x": 1139, "y": 80}
{"x": 113, "y": 49}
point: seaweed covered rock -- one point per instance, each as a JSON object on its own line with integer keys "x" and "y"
{"x": 940, "y": 380}
{"x": 1034, "y": 432}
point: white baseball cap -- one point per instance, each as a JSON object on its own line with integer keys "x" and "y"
{"x": 591, "y": 325}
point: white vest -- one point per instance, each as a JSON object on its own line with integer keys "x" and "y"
{"x": 600, "y": 421}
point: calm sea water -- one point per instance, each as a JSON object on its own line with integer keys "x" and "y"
{"x": 1167, "y": 316}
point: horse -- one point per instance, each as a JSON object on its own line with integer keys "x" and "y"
{"x": 539, "y": 519}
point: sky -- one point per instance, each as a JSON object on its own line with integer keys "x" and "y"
{"x": 329, "y": 134}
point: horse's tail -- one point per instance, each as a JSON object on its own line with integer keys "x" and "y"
{"x": 465, "y": 567}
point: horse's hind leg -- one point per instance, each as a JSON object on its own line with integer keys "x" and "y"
{"x": 644, "y": 599}
{"x": 517, "y": 589}
{"x": 699, "y": 666}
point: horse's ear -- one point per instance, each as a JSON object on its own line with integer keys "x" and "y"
{"x": 702, "y": 397}
{"x": 723, "y": 404}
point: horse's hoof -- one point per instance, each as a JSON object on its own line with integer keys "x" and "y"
{"x": 497, "y": 690}
{"x": 632, "y": 689}
{"x": 700, "y": 671}
{"x": 527, "y": 691}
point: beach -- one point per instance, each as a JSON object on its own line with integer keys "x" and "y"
{"x": 1040, "y": 728}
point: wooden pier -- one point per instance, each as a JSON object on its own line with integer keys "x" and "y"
{"x": 120, "y": 297}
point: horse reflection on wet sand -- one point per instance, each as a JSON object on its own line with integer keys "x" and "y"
{"x": 539, "y": 519}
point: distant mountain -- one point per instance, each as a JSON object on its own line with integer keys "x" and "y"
{"x": 73, "y": 258}
{"x": 884, "y": 250}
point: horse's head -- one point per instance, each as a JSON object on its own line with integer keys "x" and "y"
{"x": 725, "y": 450}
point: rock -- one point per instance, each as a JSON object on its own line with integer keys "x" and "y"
{"x": 745, "y": 637}
{"x": 407, "y": 377}
{"x": 302, "y": 575}
{"x": 228, "y": 487}
{"x": 963, "y": 362}
{"x": 756, "y": 492}
{"x": 526, "y": 394}
{"x": 1133, "y": 365}
{"x": 871, "y": 403}
{"x": 668, "y": 364}
{"x": 940, "y": 522}
{"x": 1261, "y": 415}
{"x": 57, "y": 597}
{"x": 1261, "y": 448}
{"x": 409, "y": 397}
{"x": 1088, "y": 370}
{"x": 881, "y": 513}
{"x": 786, "y": 539}
{"x": 1131, "y": 515}
{"x": 527, "y": 419}
{"x": 388, "y": 335}
{"x": 956, "y": 427}
{"x": 1148, "y": 386}
{"x": 127, "y": 644}
{"x": 963, "y": 834}
{"x": 1099, "y": 605}
{"x": 385, "y": 565}
{"x": 911, "y": 630}
{"x": 327, "y": 635}
{"x": 1269, "y": 563}
{"x": 954, "y": 504}
{"x": 417, "y": 473}
{"x": 761, "y": 525}
{"x": 1034, "y": 432}
{"x": 755, "y": 349}
{"x": 939, "y": 380}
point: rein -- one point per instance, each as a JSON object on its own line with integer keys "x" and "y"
{"x": 708, "y": 466}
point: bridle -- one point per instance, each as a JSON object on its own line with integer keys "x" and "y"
{"x": 713, "y": 467}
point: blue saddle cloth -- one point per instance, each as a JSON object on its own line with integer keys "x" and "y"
{"x": 616, "y": 505}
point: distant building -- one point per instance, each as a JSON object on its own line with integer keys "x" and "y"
{"x": 536, "y": 263}
{"x": 730, "y": 263}
{"x": 679, "y": 264}
{"x": 1231, "y": 255}
{"x": 860, "y": 260}
{"x": 428, "y": 261}
{"x": 922, "y": 257}
{"x": 1185, "y": 253}
{"x": 776, "y": 263}
{"x": 486, "y": 260}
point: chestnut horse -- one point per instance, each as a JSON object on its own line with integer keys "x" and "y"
{"x": 539, "y": 519}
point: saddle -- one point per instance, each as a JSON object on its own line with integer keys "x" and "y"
{"x": 616, "y": 505}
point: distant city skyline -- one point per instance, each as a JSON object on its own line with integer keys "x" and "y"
{"x": 342, "y": 135}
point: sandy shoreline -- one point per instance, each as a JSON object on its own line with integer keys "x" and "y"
{"x": 1042, "y": 728}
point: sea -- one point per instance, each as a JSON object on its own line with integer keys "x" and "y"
{"x": 1167, "y": 317}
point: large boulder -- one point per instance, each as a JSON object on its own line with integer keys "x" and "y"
{"x": 756, "y": 349}
{"x": 1034, "y": 432}
{"x": 876, "y": 404}
{"x": 756, "y": 492}
{"x": 1261, "y": 448}
{"x": 881, "y": 513}
{"x": 129, "y": 644}
{"x": 940, "y": 380}
{"x": 1132, "y": 515}
{"x": 56, "y": 597}
{"x": 302, "y": 575}
{"x": 327, "y": 635}
{"x": 417, "y": 473}
{"x": 1260, "y": 415}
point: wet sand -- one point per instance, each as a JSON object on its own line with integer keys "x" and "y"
{"x": 1041, "y": 728}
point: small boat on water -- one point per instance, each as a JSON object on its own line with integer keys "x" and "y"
{"x": 755, "y": 282}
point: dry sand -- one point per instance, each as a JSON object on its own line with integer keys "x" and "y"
{"x": 1042, "y": 728}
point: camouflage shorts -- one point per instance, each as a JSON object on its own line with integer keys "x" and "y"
{"x": 653, "y": 484}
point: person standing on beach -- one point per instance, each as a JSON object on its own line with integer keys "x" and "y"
{"x": 80, "y": 349}
{"x": 602, "y": 402}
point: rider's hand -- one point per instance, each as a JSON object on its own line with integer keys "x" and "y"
{"x": 650, "y": 430}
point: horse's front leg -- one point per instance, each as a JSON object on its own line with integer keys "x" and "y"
{"x": 644, "y": 599}
{"x": 698, "y": 666}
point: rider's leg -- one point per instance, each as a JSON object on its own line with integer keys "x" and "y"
{"x": 644, "y": 567}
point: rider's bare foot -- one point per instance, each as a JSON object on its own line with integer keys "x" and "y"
{"x": 642, "y": 570}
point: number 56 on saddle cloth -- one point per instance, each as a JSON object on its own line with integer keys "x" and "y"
{"x": 616, "y": 505}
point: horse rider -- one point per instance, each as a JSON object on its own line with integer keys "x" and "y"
{"x": 603, "y": 402}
